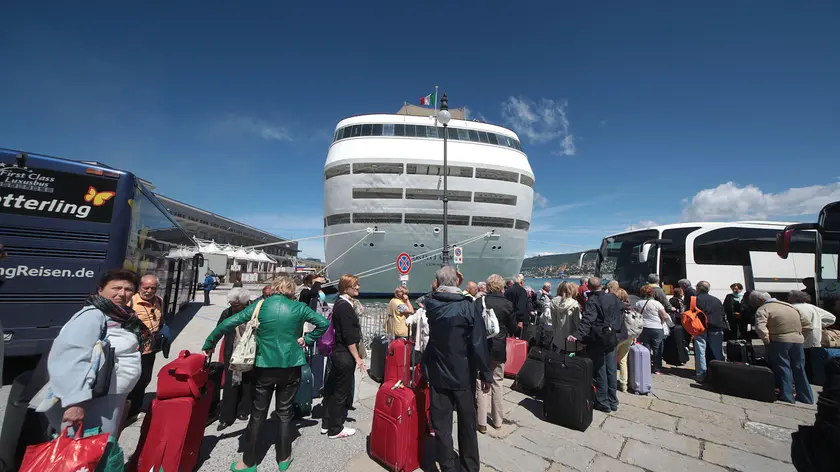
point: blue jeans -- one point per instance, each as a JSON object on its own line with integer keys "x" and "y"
{"x": 707, "y": 346}
{"x": 604, "y": 370}
{"x": 788, "y": 360}
{"x": 700, "y": 356}
{"x": 652, "y": 339}
{"x": 714, "y": 345}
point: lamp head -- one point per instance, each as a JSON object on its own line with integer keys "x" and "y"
{"x": 444, "y": 116}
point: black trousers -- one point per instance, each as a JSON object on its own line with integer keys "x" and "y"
{"x": 352, "y": 390}
{"x": 604, "y": 367}
{"x": 338, "y": 388}
{"x": 443, "y": 403}
{"x": 206, "y": 297}
{"x": 236, "y": 399}
{"x": 283, "y": 383}
{"x": 147, "y": 364}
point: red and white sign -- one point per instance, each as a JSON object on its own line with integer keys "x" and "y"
{"x": 404, "y": 263}
{"x": 459, "y": 255}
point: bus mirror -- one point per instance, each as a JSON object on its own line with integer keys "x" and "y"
{"x": 644, "y": 251}
{"x": 783, "y": 243}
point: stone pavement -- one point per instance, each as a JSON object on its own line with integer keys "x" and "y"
{"x": 678, "y": 427}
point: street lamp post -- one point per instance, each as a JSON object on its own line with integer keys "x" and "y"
{"x": 444, "y": 116}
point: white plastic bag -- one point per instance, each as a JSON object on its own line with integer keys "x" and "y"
{"x": 491, "y": 323}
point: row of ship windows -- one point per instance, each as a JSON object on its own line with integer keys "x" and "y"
{"x": 434, "y": 194}
{"x": 425, "y": 219}
{"x": 425, "y": 169}
{"x": 420, "y": 131}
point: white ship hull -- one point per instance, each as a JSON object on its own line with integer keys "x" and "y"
{"x": 378, "y": 177}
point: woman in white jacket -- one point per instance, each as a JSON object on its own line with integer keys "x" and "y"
{"x": 565, "y": 316}
{"x": 819, "y": 319}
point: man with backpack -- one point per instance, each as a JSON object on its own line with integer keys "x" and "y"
{"x": 601, "y": 326}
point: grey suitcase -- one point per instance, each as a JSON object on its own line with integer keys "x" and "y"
{"x": 639, "y": 380}
{"x": 318, "y": 364}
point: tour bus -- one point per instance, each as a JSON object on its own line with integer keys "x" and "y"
{"x": 720, "y": 253}
{"x": 62, "y": 224}
{"x": 826, "y": 247}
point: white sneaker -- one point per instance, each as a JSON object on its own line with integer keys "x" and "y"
{"x": 324, "y": 431}
{"x": 345, "y": 433}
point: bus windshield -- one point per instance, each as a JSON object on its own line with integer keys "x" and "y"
{"x": 827, "y": 278}
{"x": 619, "y": 259}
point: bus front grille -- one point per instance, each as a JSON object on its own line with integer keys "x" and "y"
{"x": 56, "y": 253}
{"x": 44, "y": 297}
{"x": 56, "y": 234}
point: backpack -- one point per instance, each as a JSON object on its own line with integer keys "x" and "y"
{"x": 694, "y": 320}
{"x": 326, "y": 343}
{"x": 244, "y": 354}
{"x": 491, "y": 323}
{"x": 634, "y": 322}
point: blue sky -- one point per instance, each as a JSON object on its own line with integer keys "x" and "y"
{"x": 629, "y": 114}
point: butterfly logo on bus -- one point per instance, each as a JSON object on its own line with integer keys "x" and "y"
{"x": 98, "y": 198}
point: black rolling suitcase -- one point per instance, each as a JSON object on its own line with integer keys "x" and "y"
{"x": 568, "y": 393}
{"x": 742, "y": 380}
{"x": 675, "y": 349}
{"x": 736, "y": 351}
{"x": 531, "y": 377}
{"x": 22, "y": 426}
{"x": 303, "y": 398}
{"x": 378, "y": 353}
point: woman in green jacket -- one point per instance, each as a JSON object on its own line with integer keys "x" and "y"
{"x": 280, "y": 343}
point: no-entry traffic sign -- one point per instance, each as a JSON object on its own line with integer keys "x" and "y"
{"x": 404, "y": 263}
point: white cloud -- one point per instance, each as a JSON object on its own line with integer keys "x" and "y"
{"x": 540, "y": 200}
{"x": 541, "y": 122}
{"x": 729, "y": 201}
{"x": 640, "y": 225}
{"x": 538, "y": 254}
{"x": 469, "y": 114}
{"x": 256, "y": 127}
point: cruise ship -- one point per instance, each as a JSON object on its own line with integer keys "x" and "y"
{"x": 383, "y": 196}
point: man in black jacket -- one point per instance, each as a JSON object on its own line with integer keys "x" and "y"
{"x": 601, "y": 328}
{"x": 709, "y": 345}
{"x": 455, "y": 356}
{"x": 519, "y": 297}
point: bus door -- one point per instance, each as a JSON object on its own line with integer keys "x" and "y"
{"x": 779, "y": 276}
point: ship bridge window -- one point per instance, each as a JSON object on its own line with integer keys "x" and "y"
{"x": 520, "y": 224}
{"x": 463, "y": 135}
{"x": 388, "y": 129}
{"x": 421, "y": 131}
{"x": 473, "y": 135}
{"x": 367, "y": 192}
{"x": 377, "y": 217}
{"x": 399, "y": 130}
{"x": 526, "y": 180}
{"x": 434, "y": 194}
{"x": 436, "y": 219}
{"x": 492, "y": 138}
{"x": 500, "y": 198}
{"x": 335, "y": 171}
{"x": 410, "y": 130}
{"x": 452, "y": 133}
{"x": 346, "y": 133}
{"x": 493, "y": 174}
{"x": 377, "y": 130}
{"x": 424, "y": 169}
{"x": 356, "y": 130}
{"x": 482, "y": 136}
{"x": 338, "y": 219}
{"x": 492, "y": 222}
{"x": 377, "y": 168}
{"x": 434, "y": 132}
{"x": 367, "y": 130}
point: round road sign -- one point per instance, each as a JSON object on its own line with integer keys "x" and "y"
{"x": 404, "y": 263}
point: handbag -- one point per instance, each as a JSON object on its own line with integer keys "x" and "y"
{"x": 66, "y": 454}
{"x": 244, "y": 355}
{"x": 601, "y": 333}
{"x": 102, "y": 381}
{"x": 491, "y": 323}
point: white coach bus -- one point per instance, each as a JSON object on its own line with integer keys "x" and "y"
{"x": 721, "y": 253}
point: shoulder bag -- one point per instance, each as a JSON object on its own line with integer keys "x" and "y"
{"x": 244, "y": 355}
{"x": 491, "y": 323}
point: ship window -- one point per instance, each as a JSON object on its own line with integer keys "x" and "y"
{"x": 463, "y": 135}
{"x": 492, "y": 138}
{"x": 377, "y": 168}
{"x": 452, "y": 133}
{"x": 520, "y": 224}
{"x": 504, "y": 140}
{"x": 377, "y": 217}
{"x": 473, "y": 135}
{"x": 377, "y": 130}
{"x": 516, "y": 145}
{"x": 357, "y": 131}
{"x": 346, "y": 133}
{"x": 492, "y": 222}
{"x": 337, "y": 135}
{"x": 482, "y": 136}
{"x": 500, "y": 198}
{"x": 524, "y": 179}
{"x": 432, "y": 132}
{"x": 338, "y": 219}
{"x": 493, "y": 174}
{"x": 367, "y": 192}
{"x": 410, "y": 131}
{"x": 399, "y": 130}
{"x": 367, "y": 130}
{"x": 335, "y": 171}
{"x": 424, "y": 169}
{"x": 388, "y": 129}
{"x": 434, "y": 194}
{"x": 436, "y": 219}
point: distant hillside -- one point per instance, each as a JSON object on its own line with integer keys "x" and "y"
{"x": 570, "y": 259}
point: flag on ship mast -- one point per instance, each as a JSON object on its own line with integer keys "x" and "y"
{"x": 430, "y": 99}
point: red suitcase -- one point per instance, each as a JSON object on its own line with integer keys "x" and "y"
{"x": 423, "y": 395}
{"x": 183, "y": 377}
{"x": 396, "y": 433}
{"x": 517, "y": 353}
{"x": 397, "y": 360}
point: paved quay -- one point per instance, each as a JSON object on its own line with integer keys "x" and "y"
{"x": 678, "y": 427}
